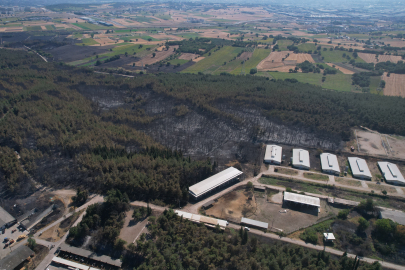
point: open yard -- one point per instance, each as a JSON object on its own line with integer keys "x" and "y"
{"x": 394, "y": 84}
{"x": 234, "y": 205}
{"x": 370, "y": 143}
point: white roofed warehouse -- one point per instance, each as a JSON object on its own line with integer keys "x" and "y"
{"x": 296, "y": 198}
{"x": 214, "y": 182}
{"x": 254, "y": 223}
{"x": 300, "y": 159}
{"x": 273, "y": 154}
{"x": 329, "y": 163}
{"x": 359, "y": 168}
{"x": 391, "y": 173}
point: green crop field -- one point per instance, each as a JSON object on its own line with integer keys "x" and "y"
{"x": 258, "y": 55}
{"x": 282, "y": 44}
{"x": 164, "y": 17}
{"x": 88, "y": 41}
{"x": 340, "y": 82}
{"x": 178, "y": 61}
{"x": 187, "y": 35}
{"x": 267, "y": 41}
{"x": 124, "y": 30}
{"x": 335, "y": 56}
{"x": 307, "y": 47}
{"x": 146, "y": 38}
{"x": 374, "y": 83}
{"x": 33, "y": 28}
{"x": 50, "y": 27}
{"x": 211, "y": 63}
{"x": 142, "y": 19}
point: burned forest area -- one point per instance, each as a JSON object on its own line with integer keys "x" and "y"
{"x": 155, "y": 135}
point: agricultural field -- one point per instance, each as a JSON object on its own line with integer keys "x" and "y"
{"x": 88, "y": 42}
{"x": 394, "y": 84}
{"x": 90, "y": 26}
{"x": 211, "y": 64}
{"x": 336, "y": 56}
{"x": 299, "y": 58}
{"x": 282, "y": 44}
{"x": 274, "y": 59}
{"x": 339, "y": 82}
{"x": 371, "y": 58}
{"x": 307, "y": 47}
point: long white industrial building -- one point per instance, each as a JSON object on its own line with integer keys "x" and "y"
{"x": 359, "y": 168}
{"x": 300, "y": 159}
{"x": 391, "y": 173}
{"x": 302, "y": 199}
{"x": 213, "y": 182}
{"x": 329, "y": 163}
{"x": 208, "y": 221}
{"x": 273, "y": 154}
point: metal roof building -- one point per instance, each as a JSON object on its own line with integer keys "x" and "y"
{"x": 5, "y": 219}
{"x": 359, "y": 168}
{"x": 16, "y": 258}
{"x": 391, "y": 173}
{"x": 254, "y": 223}
{"x": 330, "y": 163}
{"x": 300, "y": 159}
{"x": 302, "y": 199}
{"x": 273, "y": 154}
{"x": 75, "y": 265}
{"x": 213, "y": 182}
{"x": 396, "y": 216}
{"x": 209, "y": 221}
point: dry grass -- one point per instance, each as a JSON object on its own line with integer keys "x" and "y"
{"x": 394, "y": 84}
{"x": 275, "y": 59}
{"x": 188, "y": 56}
{"x": 347, "y": 182}
{"x": 285, "y": 171}
{"x": 380, "y": 188}
{"x": 316, "y": 176}
{"x": 149, "y": 59}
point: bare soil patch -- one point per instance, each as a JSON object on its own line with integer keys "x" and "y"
{"x": 55, "y": 233}
{"x": 233, "y": 205}
{"x": 343, "y": 70}
{"x": 394, "y": 43}
{"x": 300, "y": 57}
{"x": 370, "y": 143}
{"x": 394, "y": 84}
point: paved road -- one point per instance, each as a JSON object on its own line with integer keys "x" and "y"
{"x": 48, "y": 259}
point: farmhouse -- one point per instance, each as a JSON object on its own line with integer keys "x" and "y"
{"x": 6, "y": 220}
{"x": 300, "y": 159}
{"x": 391, "y": 173}
{"x": 302, "y": 199}
{"x": 273, "y": 154}
{"x": 359, "y": 168}
{"x": 329, "y": 163}
{"x": 396, "y": 216}
{"x": 254, "y": 223}
{"x": 328, "y": 237}
{"x": 210, "y": 184}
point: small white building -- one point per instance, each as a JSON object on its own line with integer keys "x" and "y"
{"x": 391, "y": 173}
{"x": 328, "y": 237}
{"x": 329, "y": 163}
{"x": 273, "y": 154}
{"x": 359, "y": 168}
{"x": 300, "y": 159}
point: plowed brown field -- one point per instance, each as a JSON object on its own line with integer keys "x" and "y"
{"x": 370, "y": 58}
{"x": 300, "y": 57}
{"x": 394, "y": 84}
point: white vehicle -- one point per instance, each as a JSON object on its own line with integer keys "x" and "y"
{"x": 247, "y": 228}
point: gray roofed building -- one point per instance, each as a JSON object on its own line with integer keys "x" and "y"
{"x": 396, "y": 216}
{"x": 302, "y": 199}
{"x": 91, "y": 255}
{"x": 254, "y": 223}
{"x": 15, "y": 258}
{"x": 5, "y": 219}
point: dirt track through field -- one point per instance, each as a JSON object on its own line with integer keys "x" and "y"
{"x": 394, "y": 84}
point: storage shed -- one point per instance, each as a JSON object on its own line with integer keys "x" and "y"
{"x": 391, "y": 173}
{"x": 254, "y": 223}
{"x": 300, "y": 159}
{"x": 302, "y": 199}
{"x": 210, "y": 184}
{"x": 273, "y": 154}
{"x": 329, "y": 163}
{"x": 359, "y": 168}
